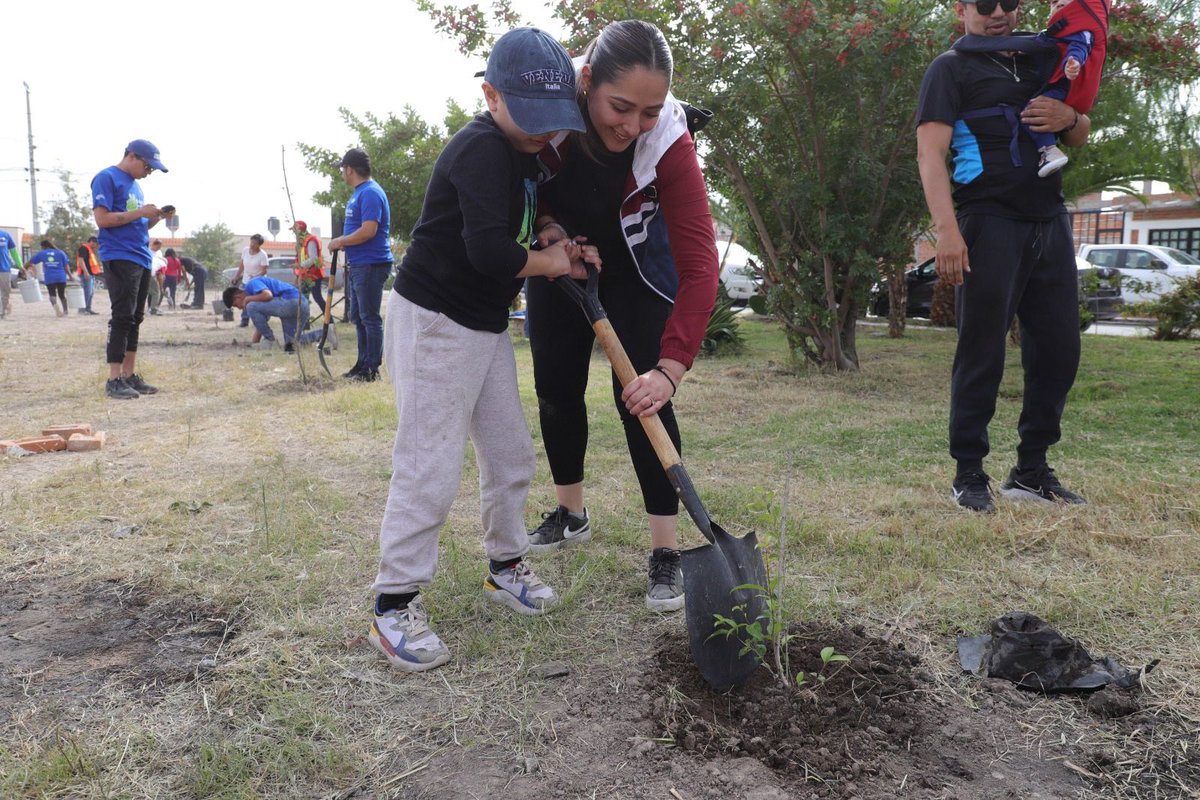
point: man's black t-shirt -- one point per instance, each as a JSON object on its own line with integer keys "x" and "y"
{"x": 467, "y": 247}
{"x": 984, "y": 177}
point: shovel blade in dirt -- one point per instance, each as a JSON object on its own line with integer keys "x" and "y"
{"x": 726, "y": 578}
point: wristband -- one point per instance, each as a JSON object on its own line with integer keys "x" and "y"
{"x": 665, "y": 374}
{"x": 1071, "y": 127}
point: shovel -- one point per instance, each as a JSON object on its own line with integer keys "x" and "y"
{"x": 726, "y": 576}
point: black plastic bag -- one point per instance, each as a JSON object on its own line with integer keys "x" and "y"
{"x": 1024, "y": 649}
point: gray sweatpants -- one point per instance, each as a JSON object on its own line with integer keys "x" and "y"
{"x": 451, "y": 383}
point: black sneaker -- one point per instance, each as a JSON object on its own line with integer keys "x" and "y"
{"x": 364, "y": 376}
{"x": 136, "y": 383}
{"x": 972, "y": 490}
{"x": 289, "y": 348}
{"x": 353, "y": 371}
{"x": 118, "y": 389}
{"x": 1039, "y": 484}
{"x": 560, "y": 528}
{"x": 666, "y": 580}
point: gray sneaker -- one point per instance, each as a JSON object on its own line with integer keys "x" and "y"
{"x": 520, "y": 589}
{"x": 666, "y": 580}
{"x": 560, "y": 528}
{"x": 404, "y": 637}
{"x": 118, "y": 389}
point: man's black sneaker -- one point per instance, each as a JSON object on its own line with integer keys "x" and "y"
{"x": 365, "y": 376}
{"x": 560, "y": 528}
{"x": 136, "y": 383}
{"x": 289, "y": 348}
{"x": 972, "y": 490}
{"x": 118, "y": 389}
{"x": 1039, "y": 484}
{"x": 355, "y": 370}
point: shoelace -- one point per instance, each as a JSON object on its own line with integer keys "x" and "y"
{"x": 662, "y": 570}
{"x": 524, "y": 574}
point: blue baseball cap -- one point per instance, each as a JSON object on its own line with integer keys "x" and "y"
{"x": 537, "y": 79}
{"x": 146, "y": 149}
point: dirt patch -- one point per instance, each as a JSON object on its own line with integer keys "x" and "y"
{"x": 60, "y": 643}
{"x": 318, "y": 383}
{"x": 874, "y": 727}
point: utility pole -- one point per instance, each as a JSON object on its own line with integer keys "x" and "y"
{"x": 37, "y": 224}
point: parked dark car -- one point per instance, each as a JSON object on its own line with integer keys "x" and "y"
{"x": 920, "y": 279}
{"x": 1101, "y": 294}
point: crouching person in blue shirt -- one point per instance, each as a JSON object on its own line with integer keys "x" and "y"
{"x": 263, "y": 298}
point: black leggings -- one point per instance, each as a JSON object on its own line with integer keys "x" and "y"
{"x": 128, "y": 283}
{"x": 59, "y": 289}
{"x": 561, "y": 341}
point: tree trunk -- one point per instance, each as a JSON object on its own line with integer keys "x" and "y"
{"x": 941, "y": 310}
{"x": 897, "y": 289}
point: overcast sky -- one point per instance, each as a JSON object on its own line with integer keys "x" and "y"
{"x": 219, "y": 87}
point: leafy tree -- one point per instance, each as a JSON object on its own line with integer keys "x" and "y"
{"x": 213, "y": 246}
{"x": 69, "y": 221}
{"x": 813, "y": 136}
{"x": 402, "y": 151}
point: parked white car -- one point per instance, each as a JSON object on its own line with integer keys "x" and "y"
{"x": 739, "y": 271}
{"x": 1158, "y": 269}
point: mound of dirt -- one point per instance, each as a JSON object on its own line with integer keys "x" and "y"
{"x": 60, "y": 643}
{"x": 869, "y": 727}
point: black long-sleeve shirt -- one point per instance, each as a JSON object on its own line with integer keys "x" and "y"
{"x": 475, "y": 226}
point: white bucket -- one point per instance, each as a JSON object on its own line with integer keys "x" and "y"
{"x": 74, "y": 295}
{"x": 31, "y": 291}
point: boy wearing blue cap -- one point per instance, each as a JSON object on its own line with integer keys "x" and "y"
{"x": 448, "y": 353}
{"x": 125, "y": 220}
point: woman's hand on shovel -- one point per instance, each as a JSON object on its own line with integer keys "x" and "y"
{"x": 650, "y": 392}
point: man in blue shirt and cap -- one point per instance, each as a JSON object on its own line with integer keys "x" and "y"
{"x": 125, "y": 220}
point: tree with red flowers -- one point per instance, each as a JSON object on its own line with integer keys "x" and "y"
{"x": 813, "y": 135}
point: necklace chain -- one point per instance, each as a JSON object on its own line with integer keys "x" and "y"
{"x": 1004, "y": 67}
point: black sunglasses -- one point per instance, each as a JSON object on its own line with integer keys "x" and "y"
{"x": 986, "y": 7}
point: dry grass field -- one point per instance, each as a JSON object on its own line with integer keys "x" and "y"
{"x": 182, "y": 614}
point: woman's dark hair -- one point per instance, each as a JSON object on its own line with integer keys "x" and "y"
{"x": 169, "y": 252}
{"x": 620, "y": 47}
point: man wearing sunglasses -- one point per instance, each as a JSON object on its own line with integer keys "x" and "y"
{"x": 1004, "y": 242}
{"x": 125, "y": 220}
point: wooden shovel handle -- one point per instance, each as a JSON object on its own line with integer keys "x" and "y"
{"x": 668, "y": 456}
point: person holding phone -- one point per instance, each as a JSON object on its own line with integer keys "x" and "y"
{"x": 125, "y": 219}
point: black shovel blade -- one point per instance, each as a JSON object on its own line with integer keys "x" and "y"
{"x": 730, "y": 579}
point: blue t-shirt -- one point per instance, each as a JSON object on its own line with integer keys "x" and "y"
{"x": 278, "y": 288}
{"x": 6, "y": 244}
{"x": 369, "y": 203}
{"x": 116, "y": 190}
{"x": 54, "y": 264}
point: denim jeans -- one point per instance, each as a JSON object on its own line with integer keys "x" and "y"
{"x": 89, "y": 290}
{"x": 368, "y": 281}
{"x": 199, "y": 276}
{"x": 291, "y": 316}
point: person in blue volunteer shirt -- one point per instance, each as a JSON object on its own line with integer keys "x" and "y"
{"x": 263, "y": 298}
{"x": 10, "y": 260}
{"x": 369, "y": 258}
{"x": 125, "y": 219}
{"x": 54, "y": 274}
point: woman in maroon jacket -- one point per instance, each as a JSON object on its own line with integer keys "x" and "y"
{"x": 632, "y": 186}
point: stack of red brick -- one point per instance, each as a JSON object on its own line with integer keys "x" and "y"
{"x": 76, "y": 438}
